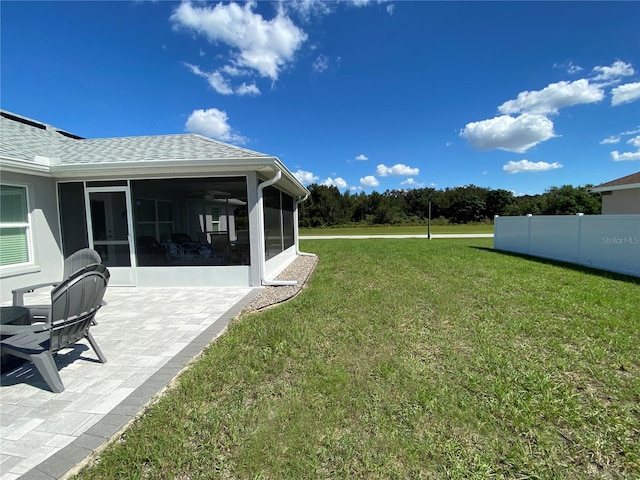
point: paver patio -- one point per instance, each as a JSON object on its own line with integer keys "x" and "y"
{"x": 147, "y": 334}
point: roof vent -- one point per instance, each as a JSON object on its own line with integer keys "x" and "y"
{"x": 70, "y": 135}
{"x": 23, "y": 120}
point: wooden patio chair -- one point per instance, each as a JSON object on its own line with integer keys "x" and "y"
{"x": 74, "y": 304}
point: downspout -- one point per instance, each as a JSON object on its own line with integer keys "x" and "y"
{"x": 265, "y": 282}
{"x": 296, "y": 234}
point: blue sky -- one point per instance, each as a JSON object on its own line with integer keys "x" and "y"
{"x": 364, "y": 95}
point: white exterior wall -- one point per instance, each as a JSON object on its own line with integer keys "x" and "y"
{"x": 47, "y": 259}
{"x": 621, "y": 202}
{"x": 275, "y": 265}
{"x": 218, "y": 276}
{"x": 606, "y": 242}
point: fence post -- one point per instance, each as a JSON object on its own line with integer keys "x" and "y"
{"x": 496, "y": 239}
{"x": 529, "y": 215}
{"x": 580, "y": 215}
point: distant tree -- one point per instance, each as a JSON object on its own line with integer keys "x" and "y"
{"x": 468, "y": 207}
{"x": 498, "y": 201}
{"x": 327, "y": 206}
{"x": 360, "y": 207}
{"x": 525, "y": 204}
{"x": 569, "y": 200}
{"x": 417, "y": 202}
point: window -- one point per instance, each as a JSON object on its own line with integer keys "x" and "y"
{"x": 278, "y": 221}
{"x": 73, "y": 217}
{"x": 14, "y": 225}
{"x": 287, "y": 220}
{"x": 154, "y": 218}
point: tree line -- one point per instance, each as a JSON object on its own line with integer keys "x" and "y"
{"x": 326, "y": 206}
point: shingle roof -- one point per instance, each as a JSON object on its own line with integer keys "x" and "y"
{"x": 149, "y": 148}
{"x": 632, "y": 181}
{"x": 628, "y": 180}
{"x": 24, "y": 139}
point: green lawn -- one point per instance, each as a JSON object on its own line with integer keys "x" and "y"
{"x": 398, "y": 230}
{"x": 410, "y": 359}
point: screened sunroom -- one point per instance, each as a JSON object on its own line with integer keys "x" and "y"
{"x": 164, "y": 210}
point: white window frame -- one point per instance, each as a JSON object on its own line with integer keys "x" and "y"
{"x": 26, "y": 225}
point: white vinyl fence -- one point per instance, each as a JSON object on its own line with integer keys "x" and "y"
{"x": 606, "y": 242}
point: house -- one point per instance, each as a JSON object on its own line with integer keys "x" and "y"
{"x": 161, "y": 210}
{"x": 620, "y": 196}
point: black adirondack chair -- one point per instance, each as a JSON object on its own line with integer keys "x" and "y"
{"x": 74, "y": 304}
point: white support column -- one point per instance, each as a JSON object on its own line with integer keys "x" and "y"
{"x": 256, "y": 235}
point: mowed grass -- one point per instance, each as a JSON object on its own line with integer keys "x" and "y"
{"x": 399, "y": 230}
{"x": 410, "y": 359}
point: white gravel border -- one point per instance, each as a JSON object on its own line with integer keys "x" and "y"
{"x": 300, "y": 269}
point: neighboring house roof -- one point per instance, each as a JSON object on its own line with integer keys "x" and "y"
{"x": 623, "y": 183}
{"x": 46, "y": 149}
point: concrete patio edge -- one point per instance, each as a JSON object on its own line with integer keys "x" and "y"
{"x": 72, "y": 458}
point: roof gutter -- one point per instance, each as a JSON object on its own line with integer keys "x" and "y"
{"x": 264, "y": 281}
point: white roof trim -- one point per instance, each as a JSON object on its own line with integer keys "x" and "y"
{"x": 20, "y": 166}
{"x": 627, "y": 186}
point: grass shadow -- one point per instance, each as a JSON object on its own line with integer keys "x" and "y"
{"x": 573, "y": 266}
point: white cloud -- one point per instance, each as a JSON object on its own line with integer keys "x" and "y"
{"x": 245, "y": 89}
{"x": 362, "y": 157}
{"x": 635, "y": 141}
{"x": 617, "y": 138}
{"x": 625, "y": 93}
{"x": 234, "y": 71}
{"x": 195, "y": 69}
{"x": 612, "y": 74}
{"x": 307, "y": 8}
{"x": 335, "y": 182}
{"x": 620, "y": 157}
{"x": 390, "y": 9}
{"x": 527, "y": 166}
{"x": 569, "y": 66}
{"x": 305, "y": 177}
{"x": 551, "y": 98}
{"x": 265, "y": 46}
{"x": 369, "y": 181}
{"x": 412, "y": 183}
{"x": 507, "y": 133}
{"x": 220, "y": 84}
{"x": 610, "y": 140}
{"x": 320, "y": 64}
{"x": 398, "y": 169}
{"x": 213, "y": 123}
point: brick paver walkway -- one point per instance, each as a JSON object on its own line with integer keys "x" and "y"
{"x": 148, "y": 335}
